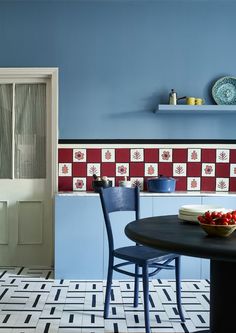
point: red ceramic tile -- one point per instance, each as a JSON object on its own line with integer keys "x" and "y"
{"x": 208, "y": 155}
{"x": 65, "y": 183}
{"x": 181, "y": 184}
{"x": 94, "y": 155}
{"x": 232, "y": 184}
{"x": 194, "y": 169}
{"x": 165, "y": 169}
{"x": 89, "y": 186}
{"x": 151, "y": 155}
{"x": 145, "y": 183}
{"x": 136, "y": 169}
{"x": 208, "y": 184}
{"x": 65, "y": 155}
{"x": 118, "y": 179}
{"x": 222, "y": 170}
{"x": 108, "y": 169}
{"x": 79, "y": 169}
{"x": 122, "y": 155}
{"x": 232, "y": 156}
{"x": 179, "y": 155}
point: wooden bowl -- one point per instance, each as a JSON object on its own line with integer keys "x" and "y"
{"x": 218, "y": 230}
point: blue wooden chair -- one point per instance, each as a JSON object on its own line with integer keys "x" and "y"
{"x": 114, "y": 199}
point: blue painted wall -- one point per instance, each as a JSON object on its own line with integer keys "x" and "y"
{"x": 118, "y": 59}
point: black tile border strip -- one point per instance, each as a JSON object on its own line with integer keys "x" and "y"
{"x": 145, "y": 141}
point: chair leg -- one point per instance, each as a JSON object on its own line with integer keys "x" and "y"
{"x": 136, "y": 286}
{"x": 146, "y": 298}
{"x": 178, "y": 288}
{"x": 108, "y": 287}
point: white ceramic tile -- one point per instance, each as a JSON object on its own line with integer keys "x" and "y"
{"x": 222, "y": 155}
{"x": 65, "y": 169}
{"x": 113, "y": 180}
{"x": 122, "y": 169}
{"x": 93, "y": 168}
{"x": 108, "y": 155}
{"x": 179, "y": 169}
{"x": 71, "y": 318}
{"x": 79, "y": 155}
{"x": 194, "y": 155}
{"x": 93, "y": 319}
{"x": 67, "y": 306}
{"x": 79, "y": 184}
{"x": 151, "y": 169}
{"x": 47, "y": 326}
{"x": 137, "y": 181}
{"x": 222, "y": 184}
{"x": 200, "y": 319}
{"x": 232, "y": 170}
{"x": 165, "y": 155}
{"x": 136, "y": 155}
{"x": 193, "y": 183}
{"x": 208, "y": 169}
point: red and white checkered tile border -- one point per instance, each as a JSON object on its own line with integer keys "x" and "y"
{"x": 210, "y": 167}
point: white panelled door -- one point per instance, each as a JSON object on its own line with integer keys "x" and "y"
{"x": 28, "y": 160}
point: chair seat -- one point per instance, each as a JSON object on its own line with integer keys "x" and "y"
{"x": 142, "y": 254}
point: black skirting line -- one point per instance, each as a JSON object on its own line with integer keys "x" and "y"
{"x": 145, "y": 141}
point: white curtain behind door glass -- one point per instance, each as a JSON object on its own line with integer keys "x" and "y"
{"x": 5, "y": 130}
{"x": 30, "y": 130}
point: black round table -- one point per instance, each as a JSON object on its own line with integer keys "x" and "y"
{"x": 171, "y": 234}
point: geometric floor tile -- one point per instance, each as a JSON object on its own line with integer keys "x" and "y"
{"x": 31, "y": 301}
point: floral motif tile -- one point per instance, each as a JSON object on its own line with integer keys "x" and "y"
{"x": 108, "y": 155}
{"x": 165, "y": 155}
{"x": 179, "y": 169}
{"x": 122, "y": 169}
{"x": 193, "y": 183}
{"x": 232, "y": 170}
{"x": 137, "y": 181}
{"x": 136, "y": 155}
{"x": 79, "y": 184}
{"x": 93, "y": 168}
{"x": 194, "y": 155}
{"x": 79, "y": 155}
{"x": 222, "y": 184}
{"x": 222, "y": 155}
{"x": 65, "y": 169}
{"x": 151, "y": 170}
{"x": 208, "y": 169}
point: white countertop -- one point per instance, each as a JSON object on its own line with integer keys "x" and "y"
{"x": 154, "y": 194}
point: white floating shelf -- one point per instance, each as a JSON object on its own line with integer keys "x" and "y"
{"x": 203, "y": 109}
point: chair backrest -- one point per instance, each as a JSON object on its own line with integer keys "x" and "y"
{"x": 115, "y": 199}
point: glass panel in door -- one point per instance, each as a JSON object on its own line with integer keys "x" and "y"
{"x": 30, "y": 131}
{"x": 6, "y": 100}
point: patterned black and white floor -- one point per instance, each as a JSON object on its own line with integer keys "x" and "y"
{"x": 32, "y": 301}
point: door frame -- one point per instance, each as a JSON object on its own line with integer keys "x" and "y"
{"x": 50, "y": 73}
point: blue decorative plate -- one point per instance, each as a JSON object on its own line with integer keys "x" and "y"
{"x": 224, "y": 91}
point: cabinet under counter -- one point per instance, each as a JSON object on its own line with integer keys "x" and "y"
{"x": 81, "y": 248}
